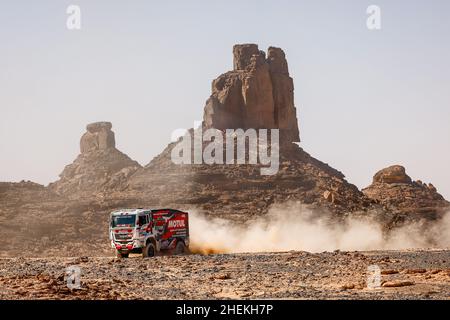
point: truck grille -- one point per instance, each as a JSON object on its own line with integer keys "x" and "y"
{"x": 123, "y": 236}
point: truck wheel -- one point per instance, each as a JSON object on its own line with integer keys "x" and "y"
{"x": 180, "y": 248}
{"x": 149, "y": 250}
{"x": 121, "y": 255}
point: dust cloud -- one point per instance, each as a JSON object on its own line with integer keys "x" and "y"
{"x": 292, "y": 227}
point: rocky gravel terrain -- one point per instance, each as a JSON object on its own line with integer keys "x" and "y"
{"x": 287, "y": 275}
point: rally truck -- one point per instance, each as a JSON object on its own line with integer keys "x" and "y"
{"x": 149, "y": 232}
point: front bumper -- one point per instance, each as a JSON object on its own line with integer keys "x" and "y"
{"x": 126, "y": 246}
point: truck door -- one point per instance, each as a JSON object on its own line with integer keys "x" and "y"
{"x": 142, "y": 224}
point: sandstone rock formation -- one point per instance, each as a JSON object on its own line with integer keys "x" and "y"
{"x": 393, "y": 174}
{"x": 98, "y": 137}
{"x": 396, "y": 191}
{"x": 258, "y": 93}
{"x": 99, "y": 167}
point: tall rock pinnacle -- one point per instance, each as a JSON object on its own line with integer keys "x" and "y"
{"x": 258, "y": 93}
{"x": 98, "y": 137}
{"x": 99, "y": 167}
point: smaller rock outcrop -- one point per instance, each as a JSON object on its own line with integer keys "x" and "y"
{"x": 99, "y": 167}
{"x": 98, "y": 137}
{"x": 397, "y": 192}
{"x": 393, "y": 174}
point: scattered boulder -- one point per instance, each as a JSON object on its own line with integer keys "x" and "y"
{"x": 393, "y": 174}
{"x": 414, "y": 271}
{"x": 431, "y": 187}
{"x": 331, "y": 197}
{"x": 397, "y": 284}
{"x": 221, "y": 276}
{"x": 389, "y": 272}
{"x": 348, "y": 286}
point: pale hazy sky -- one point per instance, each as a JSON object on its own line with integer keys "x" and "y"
{"x": 365, "y": 99}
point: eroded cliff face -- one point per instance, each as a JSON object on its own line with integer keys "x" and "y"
{"x": 258, "y": 94}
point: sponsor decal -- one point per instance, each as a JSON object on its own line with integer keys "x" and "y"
{"x": 176, "y": 224}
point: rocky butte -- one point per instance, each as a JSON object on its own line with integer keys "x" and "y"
{"x": 258, "y": 93}
{"x": 99, "y": 167}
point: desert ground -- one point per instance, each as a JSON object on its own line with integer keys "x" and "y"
{"x": 407, "y": 274}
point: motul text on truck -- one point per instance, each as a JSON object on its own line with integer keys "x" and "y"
{"x": 149, "y": 232}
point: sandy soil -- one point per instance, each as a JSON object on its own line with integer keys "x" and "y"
{"x": 289, "y": 275}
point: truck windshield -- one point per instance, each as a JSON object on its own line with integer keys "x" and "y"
{"x": 126, "y": 220}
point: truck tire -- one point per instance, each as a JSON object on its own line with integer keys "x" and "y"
{"x": 149, "y": 250}
{"x": 180, "y": 248}
{"x": 121, "y": 255}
